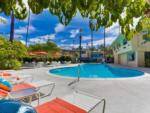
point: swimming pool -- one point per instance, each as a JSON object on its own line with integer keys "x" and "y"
{"x": 96, "y": 71}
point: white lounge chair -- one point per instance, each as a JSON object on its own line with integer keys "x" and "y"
{"x": 84, "y": 100}
{"x": 22, "y": 90}
{"x": 40, "y": 64}
{"x": 16, "y": 78}
{"x": 75, "y": 102}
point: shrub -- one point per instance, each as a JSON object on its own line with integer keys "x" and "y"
{"x": 65, "y": 58}
{"x": 37, "y": 59}
{"x": 10, "y": 53}
{"x": 10, "y": 64}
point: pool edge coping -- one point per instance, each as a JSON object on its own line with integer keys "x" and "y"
{"x": 72, "y": 78}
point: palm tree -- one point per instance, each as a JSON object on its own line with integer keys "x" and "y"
{"x": 67, "y": 9}
{"x": 14, "y": 8}
{"x": 92, "y": 25}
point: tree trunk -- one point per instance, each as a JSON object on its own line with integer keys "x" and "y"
{"x": 80, "y": 48}
{"x": 12, "y": 27}
{"x": 91, "y": 43}
{"x": 104, "y": 45}
{"x": 28, "y": 28}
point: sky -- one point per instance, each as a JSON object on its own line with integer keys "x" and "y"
{"x": 46, "y": 26}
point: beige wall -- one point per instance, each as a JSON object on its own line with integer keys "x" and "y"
{"x": 116, "y": 58}
{"x": 141, "y": 58}
{"x": 136, "y": 44}
{"x": 123, "y": 59}
{"x": 134, "y": 63}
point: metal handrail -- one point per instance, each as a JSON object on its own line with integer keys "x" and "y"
{"x": 76, "y": 80}
{"x": 78, "y": 72}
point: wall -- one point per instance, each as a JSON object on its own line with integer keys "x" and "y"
{"x": 123, "y": 59}
{"x": 141, "y": 59}
{"x": 135, "y": 62}
{"x": 139, "y": 44}
{"x": 116, "y": 60}
{"x": 136, "y": 44}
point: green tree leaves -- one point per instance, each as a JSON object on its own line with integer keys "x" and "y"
{"x": 17, "y": 6}
{"x": 48, "y": 47}
{"x": 10, "y": 52}
{"x": 100, "y": 12}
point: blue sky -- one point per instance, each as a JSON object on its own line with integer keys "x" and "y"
{"x": 45, "y": 26}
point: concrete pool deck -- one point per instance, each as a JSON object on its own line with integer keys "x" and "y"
{"x": 122, "y": 96}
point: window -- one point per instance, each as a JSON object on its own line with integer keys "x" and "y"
{"x": 147, "y": 59}
{"x": 131, "y": 56}
{"x": 125, "y": 42}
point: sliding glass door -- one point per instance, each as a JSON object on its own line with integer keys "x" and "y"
{"x": 147, "y": 59}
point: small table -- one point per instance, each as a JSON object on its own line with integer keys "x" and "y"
{"x": 25, "y": 93}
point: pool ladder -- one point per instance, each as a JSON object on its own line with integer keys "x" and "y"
{"x": 76, "y": 80}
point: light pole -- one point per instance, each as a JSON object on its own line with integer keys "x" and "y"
{"x": 91, "y": 43}
{"x": 28, "y": 29}
{"x": 80, "y": 46}
{"x": 80, "y": 53}
{"x": 104, "y": 54}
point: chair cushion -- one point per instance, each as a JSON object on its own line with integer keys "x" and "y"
{"x": 5, "y": 74}
{"x": 22, "y": 86}
{"x": 59, "y": 106}
{"x": 5, "y": 85}
{"x": 3, "y": 93}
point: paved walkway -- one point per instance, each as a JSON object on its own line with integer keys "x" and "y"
{"x": 122, "y": 96}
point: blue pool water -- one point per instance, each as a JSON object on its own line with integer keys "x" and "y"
{"x": 96, "y": 71}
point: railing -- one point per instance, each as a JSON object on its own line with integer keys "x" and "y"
{"x": 76, "y": 80}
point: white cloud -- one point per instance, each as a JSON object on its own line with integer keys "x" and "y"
{"x": 59, "y": 28}
{"x": 74, "y": 33}
{"x": 113, "y": 30}
{"x": 26, "y": 3}
{"x": 23, "y": 30}
{"x": 16, "y": 36}
{"x": 36, "y": 40}
{"x": 23, "y": 42}
{"x": 109, "y": 41}
{"x": 86, "y": 38}
{"x": 46, "y": 37}
{"x": 64, "y": 40}
{"x": 3, "y": 19}
{"x": 70, "y": 46}
{"x": 41, "y": 39}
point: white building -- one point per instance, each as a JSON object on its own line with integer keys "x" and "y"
{"x": 135, "y": 52}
